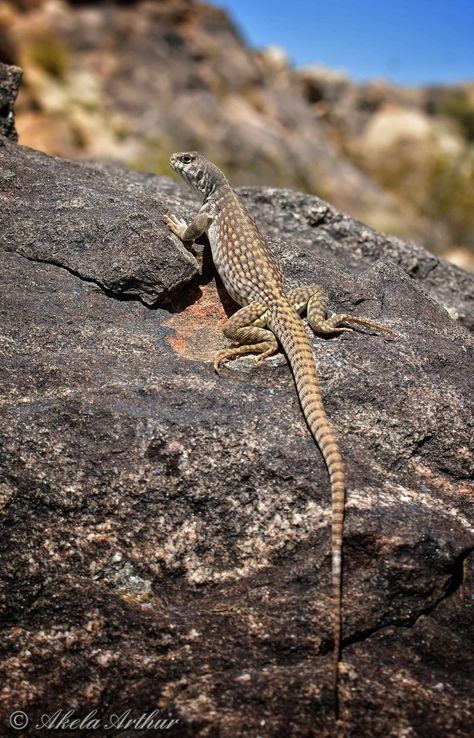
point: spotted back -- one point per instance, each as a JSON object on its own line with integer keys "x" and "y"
{"x": 240, "y": 252}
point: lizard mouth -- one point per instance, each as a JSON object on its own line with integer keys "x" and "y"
{"x": 174, "y": 161}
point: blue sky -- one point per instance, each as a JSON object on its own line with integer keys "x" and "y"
{"x": 405, "y": 41}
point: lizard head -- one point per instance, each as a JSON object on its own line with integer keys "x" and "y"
{"x": 197, "y": 171}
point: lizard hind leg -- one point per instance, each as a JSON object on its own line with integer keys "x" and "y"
{"x": 313, "y": 299}
{"x": 246, "y": 328}
{"x": 333, "y": 324}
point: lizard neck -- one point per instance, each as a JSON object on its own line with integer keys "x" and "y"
{"x": 218, "y": 191}
{"x": 216, "y": 198}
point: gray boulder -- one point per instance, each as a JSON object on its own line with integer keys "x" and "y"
{"x": 10, "y": 78}
{"x": 165, "y": 532}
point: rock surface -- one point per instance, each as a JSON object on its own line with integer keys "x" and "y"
{"x": 165, "y": 532}
{"x": 63, "y": 213}
{"x": 10, "y": 78}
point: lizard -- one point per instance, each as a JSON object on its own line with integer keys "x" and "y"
{"x": 270, "y": 315}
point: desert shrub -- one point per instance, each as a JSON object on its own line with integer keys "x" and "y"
{"x": 50, "y": 54}
{"x": 460, "y": 108}
{"x": 439, "y": 185}
{"x": 450, "y": 195}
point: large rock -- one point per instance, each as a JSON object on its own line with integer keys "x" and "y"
{"x": 165, "y": 532}
{"x": 10, "y": 78}
{"x": 100, "y": 222}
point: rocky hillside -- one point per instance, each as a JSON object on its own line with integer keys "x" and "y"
{"x": 132, "y": 81}
{"x": 418, "y": 144}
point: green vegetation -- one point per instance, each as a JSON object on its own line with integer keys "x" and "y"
{"x": 450, "y": 195}
{"x": 439, "y": 185}
{"x": 50, "y": 54}
{"x": 154, "y": 156}
{"x": 460, "y": 108}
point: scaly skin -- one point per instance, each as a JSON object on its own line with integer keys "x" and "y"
{"x": 254, "y": 280}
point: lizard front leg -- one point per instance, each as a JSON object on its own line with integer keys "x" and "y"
{"x": 246, "y": 328}
{"x": 313, "y": 300}
{"x": 187, "y": 232}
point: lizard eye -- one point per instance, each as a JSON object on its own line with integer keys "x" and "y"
{"x": 186, "y": 159}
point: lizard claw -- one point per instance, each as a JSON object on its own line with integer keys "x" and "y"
{"x": 218, "y": 359}
{"x": 259, "y": 359}
{"x": 176, "y": 225}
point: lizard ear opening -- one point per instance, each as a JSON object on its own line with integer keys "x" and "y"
{"x": 199, "y": 175}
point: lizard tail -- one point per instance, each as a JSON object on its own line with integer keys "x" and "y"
{"x": 290, "y": 330}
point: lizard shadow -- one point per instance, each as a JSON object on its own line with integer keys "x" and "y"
{"x": 184, "y": 298}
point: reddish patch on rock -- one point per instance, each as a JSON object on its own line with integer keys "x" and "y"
{"x": 198, "y": 328}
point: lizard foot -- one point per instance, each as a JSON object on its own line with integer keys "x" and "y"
{"x": 176, "y": 225}
{"x": 332, "y": 324}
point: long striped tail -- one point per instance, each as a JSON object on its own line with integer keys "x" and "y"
{"x": 290, "y": 330}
